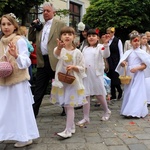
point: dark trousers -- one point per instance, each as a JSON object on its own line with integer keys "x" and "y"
{"x": 115, "y": 84}
{"x": 43, "y": 76}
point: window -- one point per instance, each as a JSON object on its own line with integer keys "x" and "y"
{"x": 74, "y": 16}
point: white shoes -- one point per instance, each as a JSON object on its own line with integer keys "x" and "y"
{"x": 65, "y": 134}
{"x": 73, "y": 130}
{"x": 106, "y": 116}
{"x": 22, "y": 144}
{"x": 82, "y": 122}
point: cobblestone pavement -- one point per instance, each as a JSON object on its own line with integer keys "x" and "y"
{"x": 118, "y": 133}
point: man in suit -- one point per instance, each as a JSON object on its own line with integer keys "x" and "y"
{"x": 45, "y": 38}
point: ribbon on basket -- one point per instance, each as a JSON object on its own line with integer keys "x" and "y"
{"x": 66, "y": 77}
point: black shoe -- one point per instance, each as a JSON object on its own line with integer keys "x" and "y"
{"x": 63, "y": 113}
{"x": 148, "y": 105}
{"x": 78, "y": 107}
{"x": 97, "y": 105}
{"x": 120, "y": 95}
{"x": 113, "y": 98}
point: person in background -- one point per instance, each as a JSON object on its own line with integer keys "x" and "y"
{"x": 136, "y": 61}
{"x": 146, "y": 47}
{"x": 148, "y": 36}
{"x": 64, "y": 94}
{"x": 83, "y": 28}
{"x": 17, "y": 121}
{"x": 116, "y": 51}
{"x": 23, "y": 31}
{"x": 45, "y": 37}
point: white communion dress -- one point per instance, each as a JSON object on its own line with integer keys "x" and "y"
{"x": 17, "y": 121}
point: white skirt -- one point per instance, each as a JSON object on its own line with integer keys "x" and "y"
{"x": 17, "y": 121}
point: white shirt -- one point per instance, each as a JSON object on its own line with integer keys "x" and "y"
{"x": 120, "y": 46}
{"x": 45, "y": 36}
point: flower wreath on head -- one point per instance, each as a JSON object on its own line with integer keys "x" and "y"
{"x": 14, "y": 17}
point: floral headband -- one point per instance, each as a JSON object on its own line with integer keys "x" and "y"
{"x": 14, "y": 17}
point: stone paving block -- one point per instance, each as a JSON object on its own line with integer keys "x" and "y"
{"x": 2, "y": 146}
{"x": 138, "y": 147}
{"x": 99, "y": 146}
{"x": 36, "y": 147}
{"x": 95, "y": 139}
{"x": 120, "y": 129}
{"x": 76, "y": 146}
{"x": 57, "y": 147}
{"x": 108, "y": 134}
{"x": 143, "y": 136}
{"x": 113, "y": 141}
{"x": 118, "y": 148}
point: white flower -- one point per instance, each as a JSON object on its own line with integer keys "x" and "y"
{"x": 13, "y": 16}
{"x": 81, "y": 26}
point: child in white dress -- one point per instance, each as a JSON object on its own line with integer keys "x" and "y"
{"x": 94, "y": 82}
{"x": 135, "y": 97}
{"x": 146, "y": 47}
{"x": 68, "y": 95}
{"x": 17, "y": 121}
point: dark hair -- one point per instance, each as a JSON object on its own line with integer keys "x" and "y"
{"x": 87, "y": 27}
{"x": 92, "y": 31}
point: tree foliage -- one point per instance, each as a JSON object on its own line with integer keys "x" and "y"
{"x": 124, "y": 15}
{"x": 19, "y": 7}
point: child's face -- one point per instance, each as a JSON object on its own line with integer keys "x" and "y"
{"x": 144, "y": 40}
{"x": 92, "y": 39}
{"x": 7, "y": 27}
{"x": 135, "y": 42}
{"x": 67, "y": 38}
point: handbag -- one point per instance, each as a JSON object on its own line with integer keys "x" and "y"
{"x": 6, "y": 68}
{"x": 66, "y": 77}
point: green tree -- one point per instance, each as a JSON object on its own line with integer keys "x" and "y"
{"x": 20, "y": 8}
{"x": 123, "y": 15}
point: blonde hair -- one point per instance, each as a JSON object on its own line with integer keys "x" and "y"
{"x": 13, "y": 21}
{"x": 111, "y": 29}
{"x": 147, "y": 46}
{"x": 23, "y": 30}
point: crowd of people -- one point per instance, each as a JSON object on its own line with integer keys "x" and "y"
{"x": 95, "y": 63}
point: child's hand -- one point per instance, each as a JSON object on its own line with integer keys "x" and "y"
{"x": 123, "y": 64}
{"x": 12, "y": 50}
{"x": 107, "y": 38}
{"x": 60, "y": 44}
{"x": 133, "y": 70}
{"x": 72, "y": 68}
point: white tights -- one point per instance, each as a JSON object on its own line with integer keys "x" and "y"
{"x": 86, "y": 107}
{"x": 70, "y": 118}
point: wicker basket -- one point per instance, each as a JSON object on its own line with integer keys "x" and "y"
{"x": 66, "y": 77}
{"x": 124, "y": 79}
